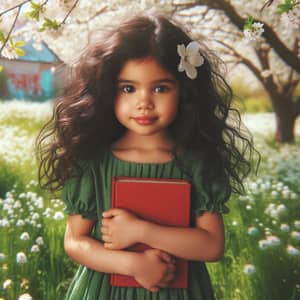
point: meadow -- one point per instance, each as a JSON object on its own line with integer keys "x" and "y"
{"x": 262, "y": 258}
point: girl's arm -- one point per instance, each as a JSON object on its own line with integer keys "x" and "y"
{"x": 204, "y": 242}
{"x": 152, "y": 268}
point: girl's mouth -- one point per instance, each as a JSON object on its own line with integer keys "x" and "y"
{"x": 144, "y": 120}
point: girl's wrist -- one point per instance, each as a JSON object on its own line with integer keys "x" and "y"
{"x": 134, "y": 263}
{"x": 142, "y": 229}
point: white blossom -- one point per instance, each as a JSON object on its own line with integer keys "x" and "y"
{"x": 190, "y": 58}
{"x": 255, "y": 32}
{"x": 21, "y": 258}
{"x": 291, "y": 19}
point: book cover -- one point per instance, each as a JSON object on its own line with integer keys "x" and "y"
{"x": 162, "y": 201}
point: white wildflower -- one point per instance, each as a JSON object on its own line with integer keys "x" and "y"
{"x": 7, "y": 284}
{"x": 249, "y": 269}
{"x": 20, "y": 223}
{"x": 25, "y": 297}
{"x": 2, "y": 257}
{"x": 35, "y": 216}
{"x": 35, "y": 249}
{"x": 4, "y": 222}
{"x": 39, "y": 240}
{"x": 58, "y": 216}
{"x": 285, "y": 227}
{"x": 274, "y": 194}
{"x": 295, "y": 235}
{"x": 292, "y": 250}
{"x": 263, "y": 244}
{"x": 273, "y": 240}
{"x": 297, "y": 224}
{"x": 281, "y": 209}
{"x": 21, "y": 258}
{"x": 252, "y": 231}
{"x": 24, "y": 236}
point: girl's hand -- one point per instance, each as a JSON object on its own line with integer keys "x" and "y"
{"x": 120, "y": 229}
{"x": 154, "y": 269}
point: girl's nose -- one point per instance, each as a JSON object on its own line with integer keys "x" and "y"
{"x": 145, "y": 100}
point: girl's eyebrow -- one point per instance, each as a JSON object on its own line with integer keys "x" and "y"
{"x": 165, "y": 80}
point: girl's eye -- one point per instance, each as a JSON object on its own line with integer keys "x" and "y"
{"x": 161, "y": 89}
{"x": 127, "y": 89}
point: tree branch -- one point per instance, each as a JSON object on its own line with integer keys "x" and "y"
{"x": 11, "y": 29}
{"x": 69, "y": 12}
{"x": 14, "y": 7}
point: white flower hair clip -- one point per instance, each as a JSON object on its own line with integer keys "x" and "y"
{"x": 190, "y": 58}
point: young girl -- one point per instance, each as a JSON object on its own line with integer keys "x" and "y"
{"x": 143, "y": 101}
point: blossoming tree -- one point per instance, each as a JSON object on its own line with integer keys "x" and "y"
{"x": 271, "y": 35}
{"x": 264, "y": 36}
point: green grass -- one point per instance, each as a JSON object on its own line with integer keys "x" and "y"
{"x": 254, "y": 104}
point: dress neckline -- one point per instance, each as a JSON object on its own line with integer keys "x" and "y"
{"x": 114, "y": 157}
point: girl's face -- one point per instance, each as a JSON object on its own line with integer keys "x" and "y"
{"x": 147, "y": 98}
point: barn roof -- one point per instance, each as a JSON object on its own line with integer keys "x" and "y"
{"x": 43, "y": 55}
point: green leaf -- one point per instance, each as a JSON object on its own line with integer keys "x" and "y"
{"x": 2, "y": 36}
{"x": 35, "y": 11}
{"x": 49, "y": 24}
{"x": 19, "y": 44}
{"x": 11, "y": 41}
{"x": 248, "y": 23}
{"x": 35, "y": 15}
{"x": 35, "y": 5}
{"x": 286, "y": 6}
{"x": 1, "y": 68}
{"x": 19, "y": 51}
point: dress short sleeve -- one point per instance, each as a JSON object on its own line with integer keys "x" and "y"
{"x": 79, "y": 196}
{"x": 211, "y": 196}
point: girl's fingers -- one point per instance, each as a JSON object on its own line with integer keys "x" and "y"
{"x": 171, "y": 268}
{"x": 104, "y": 230}
{"x": 112, "y": 212}
{"x": 165, "y": 256}
{"x": 154, "y": 289}
{"x": 108, "y": 245}
{"x": 105, "y": 238}
{"x": 167, "y": 280}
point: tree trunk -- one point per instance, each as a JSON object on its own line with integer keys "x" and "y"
{"x": 285, "y": 124}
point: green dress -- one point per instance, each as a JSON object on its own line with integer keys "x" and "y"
{"x": 89, "y": 196}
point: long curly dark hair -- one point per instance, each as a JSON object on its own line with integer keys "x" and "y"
{"x": 83, "y": 124}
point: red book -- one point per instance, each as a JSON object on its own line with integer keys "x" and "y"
{"x": 161, "y": 201}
